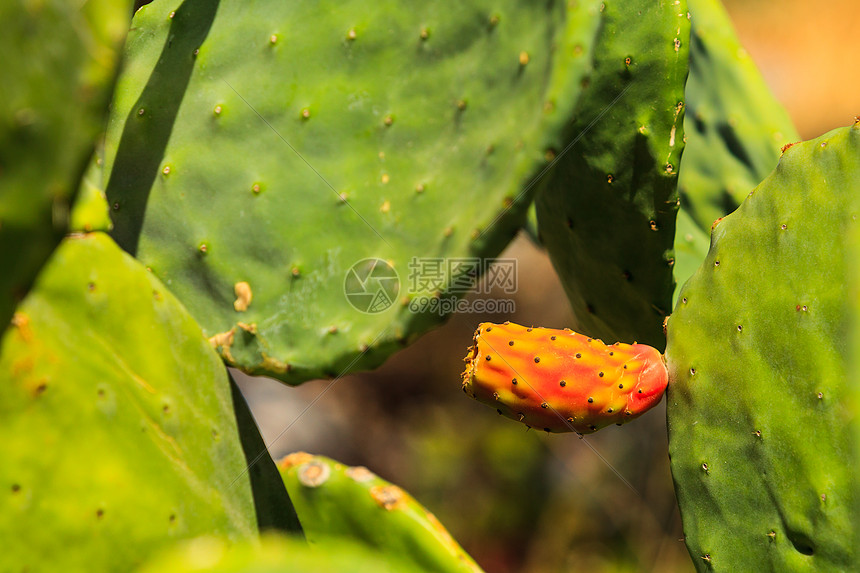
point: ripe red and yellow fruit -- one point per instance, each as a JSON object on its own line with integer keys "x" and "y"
{"x": 562, "y": 381}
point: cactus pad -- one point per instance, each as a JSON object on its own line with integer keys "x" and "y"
{"x": 274, "y": 554}
{"x": 289, "y": 146}
{"x": 562, "y": 381}
{"x": 607, "y": 213}
{"x": 333, "y": 500}
{"x": 735, "y": 126}
{"x": 90, "y": 210}
{"x": 116, "y": 426}
{"x": 58, "y": 67}
{"x": 758, "y": 347}
{"x": 691, "y": 248}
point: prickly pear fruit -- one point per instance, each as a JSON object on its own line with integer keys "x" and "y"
{"x": 562, "y": 381}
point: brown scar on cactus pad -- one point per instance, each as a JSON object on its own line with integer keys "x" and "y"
{"x": 562, "y": 381}
{"x": 22, "y": 324}
{"x": 787, "y": 146}
{"x": 243, "y": 296}
{"x": 389, "y": 497}
{"x": 223, "y": 340}
{"x": 314, "y": 473}
{"x": 274, "y": 365}
{"x": 294, "y": 459}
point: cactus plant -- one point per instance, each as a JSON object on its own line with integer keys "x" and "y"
{"x": 355, "y": 133}
{"x": 273, "y": 554}
{"x": 757, "y": 352}
{"x": 691, "y": 247}
{"x": 264, "y": 158}
{"x": 333, "y": 500}
{"x": 731, "y": 146}
{"x": 561, "y": 381}
{"x": 607, "y": 214}
{"x": 90, "y": 209}
{"x": 761, "y": 413}
{"x": 853, "y": 313}
{"x": 115, "y": 440}
{"x": 52, "y": 105}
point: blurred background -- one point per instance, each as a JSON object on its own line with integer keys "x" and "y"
{"x": 526, "y": 501}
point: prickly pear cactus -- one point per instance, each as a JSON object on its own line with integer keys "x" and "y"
{"x": 691, "y": 248}
{"x": 326, "y": 159}
{"x": 90, "y": 209}
{"x": 853, "y": 312}
{"x": 59, "y": 63}
{"x": 562, "y": 381}
{"x": 333, "y": 500}
{"x": 274, "y": 554}
{"x": 758, "y": 347}
{"x": 734, "y": 125}
{"x": 116, "y": 426}
{"x": 607, "y": 214}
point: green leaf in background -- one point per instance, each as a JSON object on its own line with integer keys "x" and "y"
{"x": 762, "y": 450}
{"x": 116, "y": 424}
{"x": 607, "y": 214}
{"x": 289, "y": 151}
{"x": 59, "y": 63}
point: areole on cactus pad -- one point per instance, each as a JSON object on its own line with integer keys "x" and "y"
{"x": 560, "y": 380}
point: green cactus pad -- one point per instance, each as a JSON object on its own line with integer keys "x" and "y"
{"x": 758, "y": 347}
{"x": 531, "y": 226}
{"x": 116, "y": 425}
{"x": 59, "y": 63}
{"x": 270, "y": 147}
{"x": 691, "y": 248}
{"x": 735, "y": 126}
{"x": 333, "y": 500}
{"x": 853, "y": 311}
{"x": 90, "y": 209}
{"x": 607, "y": 214}
{"x": 274, "y": 554}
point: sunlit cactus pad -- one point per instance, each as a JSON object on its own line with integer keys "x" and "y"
{"x": 116, "y": 428}
{"x": 273, "y": 554}
{"x": 762, "y": 453}
{"x": 259, "y": 151}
